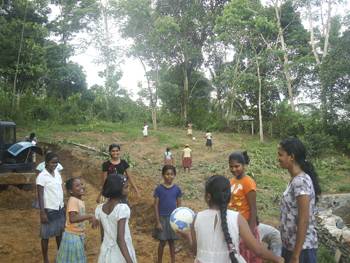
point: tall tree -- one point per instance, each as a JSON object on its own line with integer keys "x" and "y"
{"x": 139, "y": 25}
{"x": 244, "y": 25}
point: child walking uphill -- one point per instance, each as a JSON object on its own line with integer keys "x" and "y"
{"x": 50, "y": 197}
{"x": 72, "y": 245}
{"x": 114, "y": 217}
{"x": 215, "y": 232}
{"x": 167, "y": 197}
{"x": 243, "y": 199}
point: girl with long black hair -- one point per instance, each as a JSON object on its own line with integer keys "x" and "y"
{"x": 216, "y": 231}
{"x": 298, "y": 204}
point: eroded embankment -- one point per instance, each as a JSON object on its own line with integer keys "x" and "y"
{"x": 19, "y": 222}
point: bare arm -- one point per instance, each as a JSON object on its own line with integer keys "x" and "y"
{"x": 178, "y": 202}
{"x": 156, "y": 213}
{"x": 303, "y": 202}
{"x": 253, "y": 244}
{"x": 103, "y": 179}
{"x": 190, "y": 236}
{"x": 74, "y": 217}
{"x": 251, "y": 197}
{"x": 132, "y": 182}
{"x": 43, "y": 216}
{"x": 121, "y": 240}
{"x": 193, "y": 240}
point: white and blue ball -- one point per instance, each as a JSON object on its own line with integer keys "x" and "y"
{"x": 181, "y": 219}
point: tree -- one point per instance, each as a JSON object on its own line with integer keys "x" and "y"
{"x": 22, "y": 39}
{"x": 139, "y": 25}
{"x": 244, "y": 26}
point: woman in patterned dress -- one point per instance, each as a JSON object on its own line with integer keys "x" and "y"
{"x": 298, "y": 204}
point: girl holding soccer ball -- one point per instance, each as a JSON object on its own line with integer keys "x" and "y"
{"x": 167, "y": 197}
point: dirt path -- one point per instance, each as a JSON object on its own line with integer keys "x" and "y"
{"x": 19, "y": 222}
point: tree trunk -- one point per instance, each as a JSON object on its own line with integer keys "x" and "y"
{"x": 312, "y": 35}
{"x": 185, "y": 99}
{"x": 285, "y": 57}
{"x": 107, "y": 62}
{"x": 15, "y": 93}
{"x": 327, "y": 30}
{"x": 152, "y": 97}
{"x": 261, "y": 131}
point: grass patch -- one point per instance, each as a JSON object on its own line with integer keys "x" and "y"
{"x": 324, "y": 255}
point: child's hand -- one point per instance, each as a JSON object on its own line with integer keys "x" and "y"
{"x": 94, "y": 222}
{"x": 43, "y": 217}
{"x": 184, "y": 234}
{"x": 159, "y": 227}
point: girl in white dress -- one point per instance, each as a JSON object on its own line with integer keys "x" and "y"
{"x": 114, "y": 217}
{"x": 215, "y": 232}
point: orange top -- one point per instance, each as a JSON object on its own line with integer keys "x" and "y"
{"x": 75, "y": 205}
{"x": 239, "y": 190}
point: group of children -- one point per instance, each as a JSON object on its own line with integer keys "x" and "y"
{"x": 225, "y": 232}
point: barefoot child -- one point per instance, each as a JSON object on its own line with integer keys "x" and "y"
{"x": 50, "y": 197}
{"x": 215, "y": 232}
{"x": 72, "y": 245}
{"x": 243, "y": 198}
{"x": 114, "y": 217}
{"x": 167, "y": 197}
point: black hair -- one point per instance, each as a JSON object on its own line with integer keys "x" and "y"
{"x": 167, "y": 149}
{"x": 49, "y": 156}
{"x": 31, "y": 136}
{"x": 168, "y": 167}
{"x": 113, "y": 186}
{"x": 113, "y": 145}
{"x": 219, "y": 189}
{"x": 293, "y": 146}
{"x": 241, "y": 157}
{"x": 69, "y": 183}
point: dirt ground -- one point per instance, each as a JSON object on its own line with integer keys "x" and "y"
{"x": 19, "y": 222}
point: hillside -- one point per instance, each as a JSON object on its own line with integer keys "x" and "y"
{"x": 19, "y": 241}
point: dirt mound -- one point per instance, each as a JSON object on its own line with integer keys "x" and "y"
{"x": 15, "y": 198}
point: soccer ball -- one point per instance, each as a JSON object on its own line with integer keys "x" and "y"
{"x": 181, "y": 219}
{"x": 193, "y": 138}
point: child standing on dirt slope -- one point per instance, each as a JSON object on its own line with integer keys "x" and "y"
{"x": 114, "y": 216}
{"x": 243, "y": 199}
{"x": 50, "y": 197}
{"x": 209, "y": 141}
{"x": 167, "y": 197}
{"x": 187, "y": 158}
{"x": 116, "y": 165}
{"x": 168, "y": 157}
{"x": 215, "y": 232}
{"x": 145, "y": 130}
{"x": 72, "y": 245}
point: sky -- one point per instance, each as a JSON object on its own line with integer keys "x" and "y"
{"x": 132, "y": 69}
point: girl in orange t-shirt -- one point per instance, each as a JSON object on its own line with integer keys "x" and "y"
{"x": 243, "y": 199}
{"x": 72, "y": 246}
